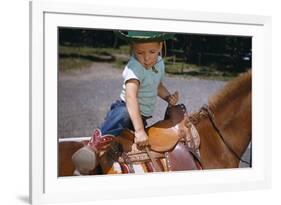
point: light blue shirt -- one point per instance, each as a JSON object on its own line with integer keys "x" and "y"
{"x": 149, "y": 81}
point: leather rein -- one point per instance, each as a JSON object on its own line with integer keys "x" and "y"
{"x": 211, "y": 116}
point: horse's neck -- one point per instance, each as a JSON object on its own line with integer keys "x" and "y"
{"x": 236, "y": 128}
{"x": 233, "y": 114}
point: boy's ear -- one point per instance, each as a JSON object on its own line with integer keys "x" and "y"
{"x": 161, "y": 48}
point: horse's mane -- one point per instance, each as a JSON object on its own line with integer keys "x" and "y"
{"x": 240, "y": 86}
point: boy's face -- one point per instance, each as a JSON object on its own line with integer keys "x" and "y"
{"x": 147, "y": 53}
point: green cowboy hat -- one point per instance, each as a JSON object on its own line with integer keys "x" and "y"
{"x": 143, "y": 36}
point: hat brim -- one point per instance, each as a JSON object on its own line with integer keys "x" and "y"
{"x": 140, "y": 39}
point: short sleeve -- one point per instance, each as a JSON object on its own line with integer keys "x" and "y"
{"x": 133, "y": 70}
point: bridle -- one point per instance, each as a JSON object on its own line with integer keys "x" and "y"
{"x": 210, "y": 114}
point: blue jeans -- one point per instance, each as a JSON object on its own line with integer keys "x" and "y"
{"x": 117, "y": 119}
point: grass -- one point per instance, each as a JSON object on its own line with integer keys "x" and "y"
{"x": 192, "y": 70}
{"x": 72, "y": 58}
{"x": 82, "y": 57}
{"x": 67, "y": 64}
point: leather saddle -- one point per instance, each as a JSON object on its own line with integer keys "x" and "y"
{"x": 170, "y": 139}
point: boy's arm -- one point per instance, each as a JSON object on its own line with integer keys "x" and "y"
{"x": 163, "y": 93}
{"x": 132, "y": 104}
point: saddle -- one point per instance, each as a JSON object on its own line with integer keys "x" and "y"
{"x": 173, "y": 145}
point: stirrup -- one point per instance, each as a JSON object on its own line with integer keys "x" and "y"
{"x": 84, "y": 160}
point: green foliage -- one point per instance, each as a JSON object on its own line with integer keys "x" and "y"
{"x": 189, "y": 54}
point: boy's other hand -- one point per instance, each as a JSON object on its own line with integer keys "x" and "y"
{"x": 173, "y": 98}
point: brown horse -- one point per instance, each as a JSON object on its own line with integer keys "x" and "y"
{"x": 224, "y": 127}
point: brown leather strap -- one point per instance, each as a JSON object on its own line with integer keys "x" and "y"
{"x": 128, "y": 162}
{"x": 153, "y": 160}
{"x": 142, "y": 156}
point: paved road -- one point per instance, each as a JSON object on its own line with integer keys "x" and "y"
{"x": 85, "y": 96}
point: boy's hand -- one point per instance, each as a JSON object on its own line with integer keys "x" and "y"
{"x": 141, "y": 139}
{"x": 173, "y": 98}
